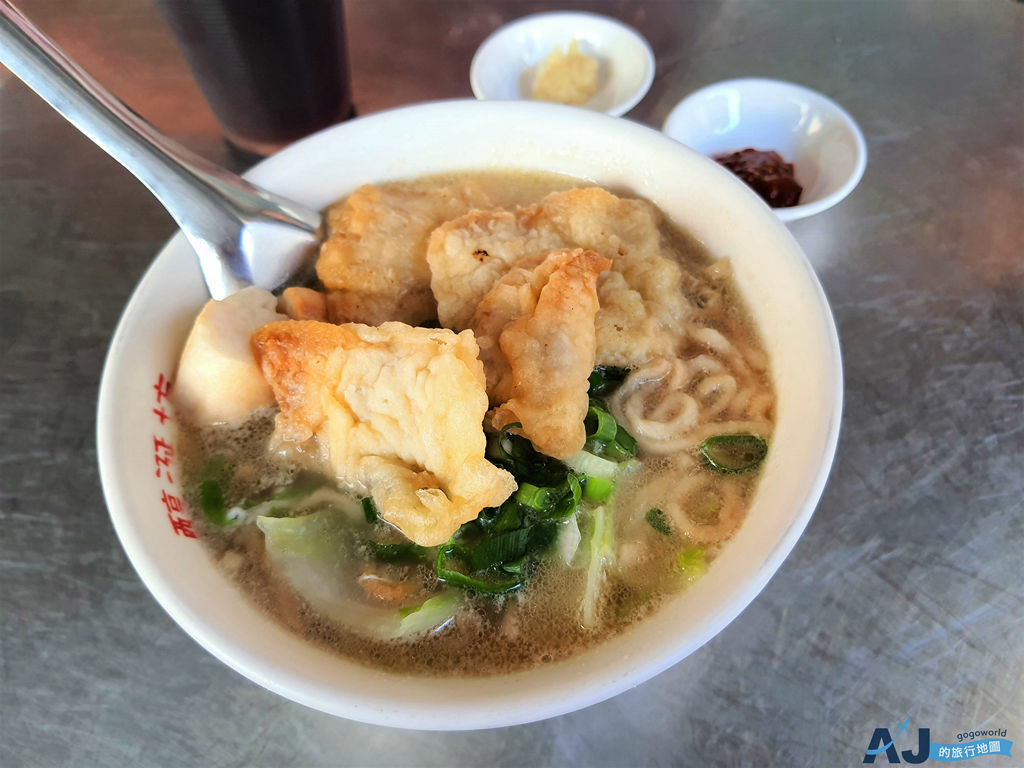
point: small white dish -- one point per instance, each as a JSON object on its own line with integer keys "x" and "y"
{"x": 821, "y": 140}
{"x": 505, "y": 64}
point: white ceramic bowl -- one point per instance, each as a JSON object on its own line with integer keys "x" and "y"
{"x": 814, "y": 133}
{"x": 505, "y": 64}
{"x": 783, "y": 295}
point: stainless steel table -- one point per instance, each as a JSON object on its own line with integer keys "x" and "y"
{"x": 903, "y": 598}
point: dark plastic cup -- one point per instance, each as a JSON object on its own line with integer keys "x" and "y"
{"x": 272, "y": 71}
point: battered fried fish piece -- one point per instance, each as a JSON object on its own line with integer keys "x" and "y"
{"x": 536, "y": 333}
{"x": 395, "y": 411}
{"x": 373, "y": 262}
{"x": 642, "y": 309}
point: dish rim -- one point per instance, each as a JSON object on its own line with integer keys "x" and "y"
{"x": 616, "y": 110}
{"x": 803, "y": 210}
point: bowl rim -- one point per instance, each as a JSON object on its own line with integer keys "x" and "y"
{"x": 802, "y": 210}
{"x": 616, "y": 110}
{"x": 271, "y": 673}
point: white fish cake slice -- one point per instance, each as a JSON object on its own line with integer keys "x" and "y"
{"x": 218, "y": 379}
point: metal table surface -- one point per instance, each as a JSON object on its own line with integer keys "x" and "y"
{"x": 904, "y": 597}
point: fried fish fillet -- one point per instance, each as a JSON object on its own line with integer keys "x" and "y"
{"x": 642, "y": 305}
{"x": 396, "y": 411}
{"x": 536, "y": 333}
{"x": 373, "y": 262}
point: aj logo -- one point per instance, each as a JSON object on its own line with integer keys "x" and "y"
{"x": 883, "y": 741}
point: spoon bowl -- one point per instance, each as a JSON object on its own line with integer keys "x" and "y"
{"x": 242, "y": 234}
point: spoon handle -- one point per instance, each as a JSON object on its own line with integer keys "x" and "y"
{"x": 212, "y": 206}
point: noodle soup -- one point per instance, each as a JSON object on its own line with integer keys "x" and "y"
{"x": 583, "y": 310}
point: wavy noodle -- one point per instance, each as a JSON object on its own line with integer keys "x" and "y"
{"x": 682, "y": 510}
{"x": 667, "y": 402}
{"x": 740, "y": 403}
{"x": 712, "y": 339}
{"x": 717, "y": 392}
{"x": 653, "y": 405}
{"x": 705, "y": 508}
{"x": 706, "y": 363}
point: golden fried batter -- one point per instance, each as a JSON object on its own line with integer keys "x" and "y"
{"x": 396, "y": 411}
{"x": 373, "y": 262}
{"x": 469, "y": 254}
{"x": 536, "y": 333}
{"x": 642, "y": 305}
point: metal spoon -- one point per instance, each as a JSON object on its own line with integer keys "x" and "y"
{"x": 242, "y": 234}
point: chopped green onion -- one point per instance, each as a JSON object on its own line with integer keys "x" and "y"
{"x": 451, "y": 555}
{"x": 692, "y": 562}
{"x": 597, "y": 488}
{"x": 506, "y": 446}
{"x": 508, "y": 517}
{"x": 517, "y": 455}
{"x": 216, "y": 468}
{"x": 431, "y": 616}
{"x": 516, "y": 566}
{"x": 499, "y": 549}
{"x": 594, "y": 466}
{"x": 705, "y": 508}
{"x": 370, "y": 510}
{"x": 569, "y": 500}
{"x": 626, "y": 440}
{"x": 211, "y": 492}
{"x": 605, "y": 378}
{"x": 403, "y": 612}
{"x": 599, "y": 423}
{"x": 615, "y": 452}
{"x": 542, "y": 535}
{"x": 733, "y": 453}
{"x": 211, "y": 501}
{"x": 305, "y": 484}
{"x": 601, "y": 550}
{"x": 533, "y": 497}
{"x": 391, "y": 553}
{"x": 656, "y": 519}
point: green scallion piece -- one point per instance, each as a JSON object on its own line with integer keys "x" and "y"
{"x": 498, "y": 550}
{"x": 211, "y": 501}
{"x": 409, "y": 610}
{"x": 533, "y": 497}
{"x": 626, "y": 440}
{"x": 369, "y": 510}
{"x": 600, "y": 424}
{"x": 515, "y": 567}
{"x": 656, "y": 519}
{"x": 692, "y": 562}
{"x": 568, "y": 501}
{"x": 605, "y": 378}
{"x": 211, "y": 492}
{"x": 451, "y": 555}
{"x": 508, "y": 518}
{"x": 729, "y": 454}
{"x": 597, "y": 489}
{"x": 394, "y": 553}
